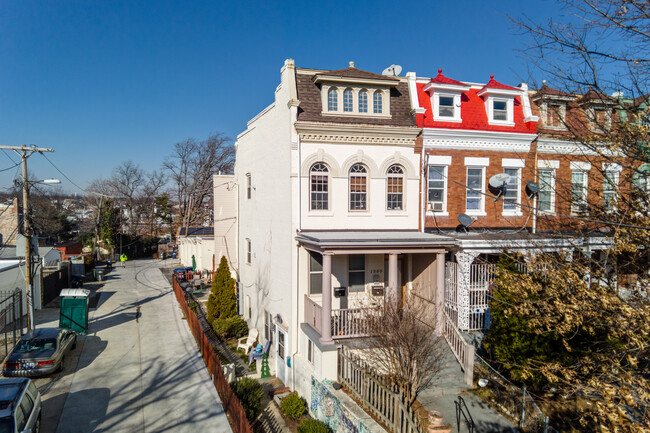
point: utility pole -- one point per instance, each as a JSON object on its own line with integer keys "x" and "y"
{"x": 25, "y": 152}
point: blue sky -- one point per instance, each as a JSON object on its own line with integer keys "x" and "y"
{"x": 101, "y": 82}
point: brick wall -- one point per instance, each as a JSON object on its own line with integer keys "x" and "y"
{"x": 9, "y": 219}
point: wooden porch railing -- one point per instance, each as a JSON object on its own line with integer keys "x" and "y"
{"x": 463, "y": 351}
{"x": 378, "y": 397}
{"x": 346, "y": 323}
{"x": 313, "y": 314}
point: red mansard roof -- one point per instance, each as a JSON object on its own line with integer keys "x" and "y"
{"x": 473, "y": 113}
{"x": 441, "y": 79}
{"x": 494, "y": 84}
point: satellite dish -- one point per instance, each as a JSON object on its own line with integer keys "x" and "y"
{"x": 392, "y": 70}
{"x": 499, "y": 182}
{"x": 465, "y": 220}
{"x": 532, "y": 188}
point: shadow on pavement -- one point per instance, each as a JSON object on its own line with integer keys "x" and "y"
{"x": 90, "y": 406}
{"x": 92, "y": 347}
{"x": 99, "y": 299}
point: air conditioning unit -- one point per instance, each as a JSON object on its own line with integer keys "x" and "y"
{"x": 435, "y": 206}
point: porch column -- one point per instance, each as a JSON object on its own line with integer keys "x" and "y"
{"x": 394, "y": 290}
{"x": 440, "y": 294}
{"x": 465, "y": 260}
{"x": 326, "y": 310}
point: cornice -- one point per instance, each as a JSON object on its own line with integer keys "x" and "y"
{"x": 355, "y": 134}
{"x": 564, "y": 147}
{"x": 355, "y": 80}
{"x": 466, "y": 139}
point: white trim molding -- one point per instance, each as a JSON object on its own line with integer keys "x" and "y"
{"x": 438, "y": 160}
{"x": 513, "y": 163}
{"x": 580, "y": 165}
{"x": 477, "y": 162}
{"x": 474, "y": 140}
{"x": 548, "y": 164}
{"x": 612, "y": 166}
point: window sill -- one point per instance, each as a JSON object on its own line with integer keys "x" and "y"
{"x": 501, "y": 123}
{"x": 362, "y": 213}
{"x": 546, "y": 212}
{"x": 353, "y": 114}
{"x": 396, "y": 213}
{"x": 437, "y": 214}
{"x": 512, "y": 214}
{"x": 447, "y": 119}
{"x": 475, "y": 213}
{"x": 320, "y": 214}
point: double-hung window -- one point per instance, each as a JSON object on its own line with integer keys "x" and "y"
{"x": 512, "y": 196}
{"x": 356, "y": 272}
{"x": 446, "y": 106}
{"x": 500, "y": 110}
{"x": 395, "y": 188}
{"x": 578, "y": 192}
{"x": 319, "y": 187}
{"x": 610, "y": 186}
{"x": 315, "y": 273}
{"x": 437, "y": 189}
{"x": 546, "y": 194}
{"x": 268, "y": 326}
{"x": 475, "y": 189}
{"x": 358, "y": 187}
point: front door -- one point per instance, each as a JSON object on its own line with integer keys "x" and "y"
{"x": 281, "y": 351}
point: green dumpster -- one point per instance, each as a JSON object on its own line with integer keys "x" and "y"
{"x": 74, "y": 310}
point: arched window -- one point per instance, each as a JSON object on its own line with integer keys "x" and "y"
{"x": 319, "y": 187}
{"x": 363, "y": 101}
{"x": 358, "y": 187}
{"x": 332, "y": 99}
{"x": 347, "y": 100}
{"x": 395, "y": 188}
{"x": 377, "y": 102}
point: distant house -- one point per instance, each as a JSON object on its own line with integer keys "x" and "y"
{"x": 70, "y": 249}
{"x": 10, "y": 215}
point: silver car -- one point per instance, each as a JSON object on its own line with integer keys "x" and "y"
{"x": 20, "y": 406}
{"x": 39, "y": 352}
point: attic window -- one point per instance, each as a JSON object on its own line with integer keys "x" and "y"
{"x": 500, "y": 110}
{"x": 446, "y": 106}
{"x": 355, "y": 101}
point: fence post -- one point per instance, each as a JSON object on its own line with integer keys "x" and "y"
{"x": 523, "y": 409}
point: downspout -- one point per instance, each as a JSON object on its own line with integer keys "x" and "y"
{"x": 422, "y": 192}
{"x": 293, "y": 355}
{"x": 536, "y": 177}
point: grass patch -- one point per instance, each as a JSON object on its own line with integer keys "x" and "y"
{"x": 232, "y": 345}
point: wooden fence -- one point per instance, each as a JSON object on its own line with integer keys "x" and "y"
{"x": 380, "y": 398}
{"x": 231, "y": 404}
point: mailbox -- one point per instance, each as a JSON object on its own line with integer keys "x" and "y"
{"x": 339, "y": 291}
{"x": 378, "y": 289}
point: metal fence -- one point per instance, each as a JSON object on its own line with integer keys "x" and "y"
{"x": 11, "y": 319}
{"x": 379, "y": 397}
{"x": 517, "y": 403}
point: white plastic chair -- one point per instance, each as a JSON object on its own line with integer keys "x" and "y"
{"x": 247, "y": 342}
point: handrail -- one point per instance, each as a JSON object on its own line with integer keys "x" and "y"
{"x": 463, "y": 351}
{"x": 462, "y": 409}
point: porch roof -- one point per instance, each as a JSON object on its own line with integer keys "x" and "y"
{"x": 355, "y": 241}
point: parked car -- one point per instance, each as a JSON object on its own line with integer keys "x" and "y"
{"x": 39, "y": 352}
{"x": 20, "y": 406}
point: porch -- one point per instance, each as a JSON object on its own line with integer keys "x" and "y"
{"x": 344, "y": 323}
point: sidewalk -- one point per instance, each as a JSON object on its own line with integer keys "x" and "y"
{"x": 138, "y": 368}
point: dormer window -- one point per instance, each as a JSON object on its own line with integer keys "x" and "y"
{"x": 499, "y": 102}
{"x": 333, "y": 99}
{"x": 445, "y": 98}
{"x": 600, "y": 118}
{"x": 377, "y": 102}
{"x": 363, "y": 101}
{"x": 554, "y": 115}
{"x": 347, "y": 101}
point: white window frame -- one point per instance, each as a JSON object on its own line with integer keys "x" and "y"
{"x": 580, "y": 167}
{"x": 556, "y": 109}
{"x": 482, "y": 164}
{"x": 249, "y": 251}
{"x": 348, "y": 106}
{"x": 249, "y": 186}
{"x": 445, "y": 162}
{"x": 456, "y": 105}
{"x": 518, "y": 165}
{"x": 310, "y": 351}
{"x": 335, "y": 92}
{"x": 312, "y": 192}
{"x": 340, "y": 105}
{"x": 312, "y": 272}
{"x": 402, "y": 177}
{"x": 366, "y": 176}
{"x": 381, "y": 102}
{"x": 510, "y": 103}
{"x": 551, "y": 167}
{"x": 615, "y": 170}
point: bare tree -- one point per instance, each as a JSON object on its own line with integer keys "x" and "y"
{"x": 127, "y": 183}
{"x": 192, "y": 165}
{"x": 402, "y": 345}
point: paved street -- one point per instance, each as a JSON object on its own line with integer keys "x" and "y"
{"x": 138, "y": 369}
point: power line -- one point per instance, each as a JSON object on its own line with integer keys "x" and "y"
{"x": 62, "y": 173}
{"x": 9, "y": 168}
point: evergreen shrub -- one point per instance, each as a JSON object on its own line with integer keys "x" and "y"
{"x": 313, "y": 426}
{"x": 249, "y": 392}
{"x": 230, "y": 327}
{"x": 293, "y": 406}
